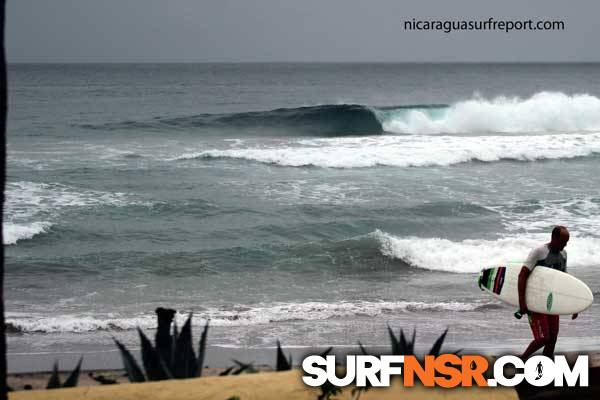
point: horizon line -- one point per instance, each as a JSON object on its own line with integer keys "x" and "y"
{"x": 300, "y": 62}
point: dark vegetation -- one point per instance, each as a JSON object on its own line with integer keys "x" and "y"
{"x": 3, "y": 111}
{"x": 172, "y": 356}
{"x": 54, "y": 382}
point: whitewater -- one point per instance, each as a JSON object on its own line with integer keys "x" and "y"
{"x": 410, "y": 151}
{"x": 544, "y": 112}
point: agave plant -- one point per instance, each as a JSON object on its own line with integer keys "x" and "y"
{"x": 171, "y": 357}
{"x": 285, "y": 364}
{"x": 54, "y": 381}
{"x": 328, "y": 389}
{"x": 403, "y": 346}
{"x": 282, "y": 364}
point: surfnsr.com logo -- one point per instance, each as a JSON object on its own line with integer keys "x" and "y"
{"x": 446, "y": 371}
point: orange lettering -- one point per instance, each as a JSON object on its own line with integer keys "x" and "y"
{"x": 452, "y": 376}
{"x": 412, "y": 367}
{"x": 473, "y": 368}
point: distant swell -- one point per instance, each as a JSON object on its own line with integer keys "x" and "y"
{"x": 544, "y": 112}
{"x": 326, "y": 120}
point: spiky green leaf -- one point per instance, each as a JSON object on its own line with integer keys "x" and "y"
{"x": 244, "y": 367}
{"x": 185, "y": 365}
{"x": 153, "y": 365}
{"x": 282, "y": 363}
{"x": 74, "y": 376}
{"x": 54, "y": 381}
{"x": 202, "y": 350}
{"x": 395, "y": 342}
{"x": 362, "y": 349}
{"x": 437, "y": 346}
{"x": 227, "y": 371}
{"x": 134, "y": 372}
{"x": 407, "y": 346}
{"x": 404, "y": 345}
{"x": 324, "y": 353}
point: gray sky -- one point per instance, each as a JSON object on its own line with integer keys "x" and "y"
{"x": 283, "y": 30}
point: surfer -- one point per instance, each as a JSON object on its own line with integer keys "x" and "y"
{"x": 544, "y": 326}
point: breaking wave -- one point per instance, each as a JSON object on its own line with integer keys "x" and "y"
{"x": 544, "y": 112}
{"x": 470, "y": 256}
{"x": 13, "y": 232}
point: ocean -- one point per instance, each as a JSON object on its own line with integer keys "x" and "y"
{"x": 313, "y": 204}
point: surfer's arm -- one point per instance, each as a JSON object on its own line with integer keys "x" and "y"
{"x": 522, "y": 284}
{"x": 528, "y": 266}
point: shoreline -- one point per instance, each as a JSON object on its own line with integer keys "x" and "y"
{"x": 221, "y": 356}
{"x": 216, "y": 357}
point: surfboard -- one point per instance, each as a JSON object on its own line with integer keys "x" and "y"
{"x": 548, "y": 291}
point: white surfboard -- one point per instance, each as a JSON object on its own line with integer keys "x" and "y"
{"x": 548, "y": 291}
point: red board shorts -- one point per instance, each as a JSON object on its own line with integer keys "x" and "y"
{"x": 544, "y": 326}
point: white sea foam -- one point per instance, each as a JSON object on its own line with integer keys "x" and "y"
{"x": 580, "y": 214}
{"x": 240, "y": 315}
{"x": 406, "y": 151}
{"x": 25, "y": 198}
{"x": 469, "y": 256}
{"x": 543, "y": 112}
{"x": 75, "y": 323}
{"x": 31, "y": 207}
{"x": 309, "y": 192}
{"x": 14, "y": 232}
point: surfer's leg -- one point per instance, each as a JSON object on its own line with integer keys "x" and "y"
{"x": 553, "y": 323}
{"x": 540, "y": 330}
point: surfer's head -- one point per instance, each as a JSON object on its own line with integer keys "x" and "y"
{"x": 560, "y": 237}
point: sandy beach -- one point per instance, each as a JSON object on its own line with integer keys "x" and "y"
{"x": 278, "y": 385}
{"x": 250, "y": 386}
{"x": 267, "y": 386}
